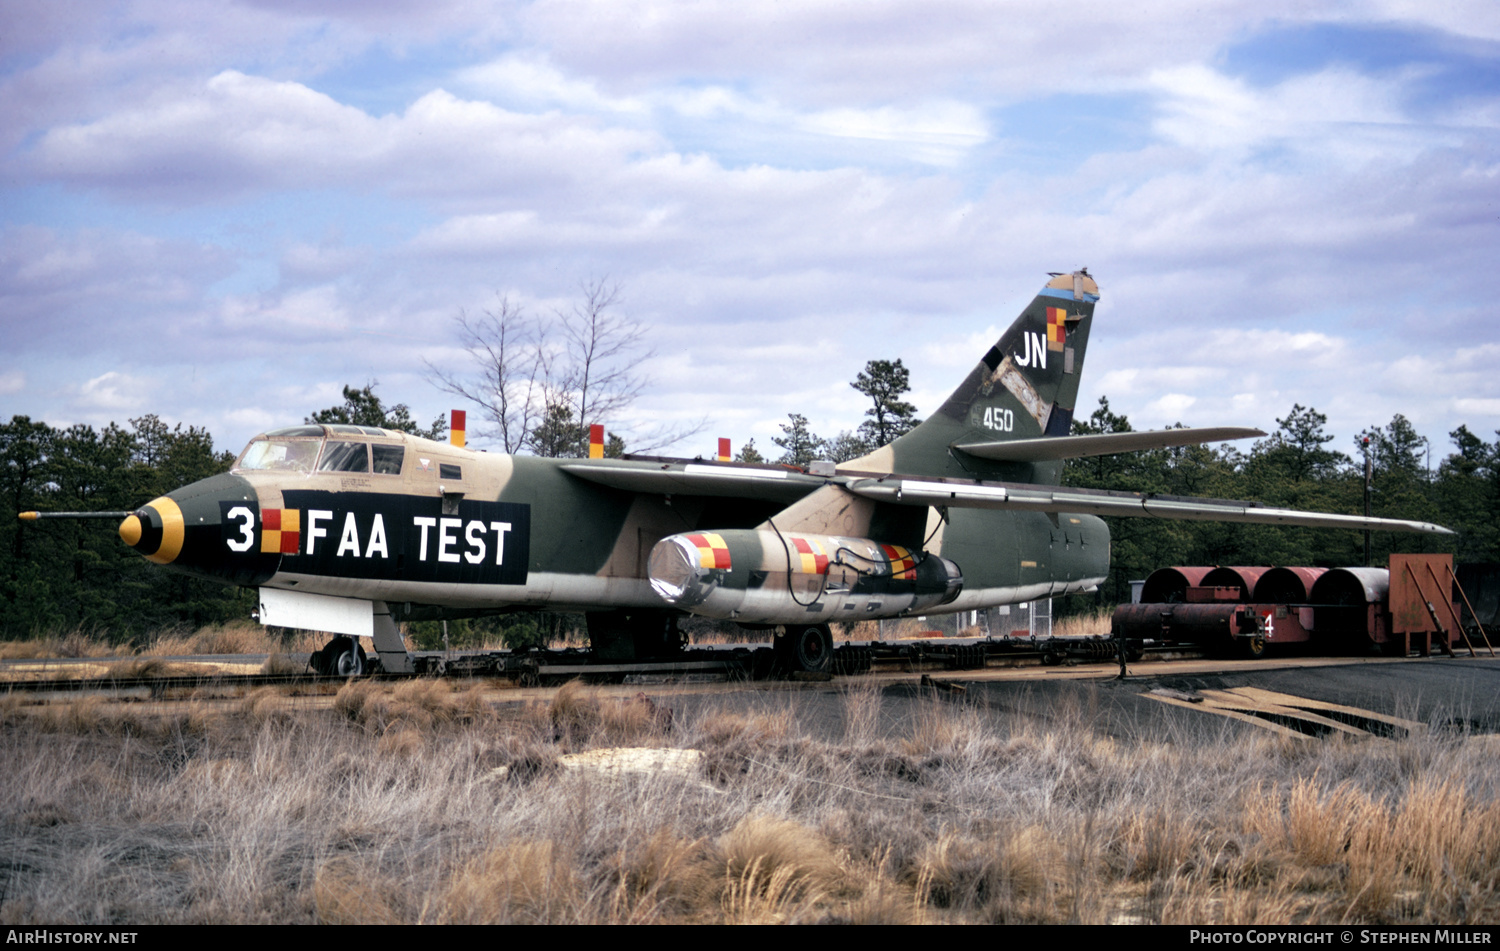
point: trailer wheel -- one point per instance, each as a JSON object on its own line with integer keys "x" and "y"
{"x": 807, "y": 648}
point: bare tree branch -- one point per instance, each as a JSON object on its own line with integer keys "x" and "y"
{"x": 536, "y": 381}
{"x": 604, "y": 350}
{"x": 510, "y": 353}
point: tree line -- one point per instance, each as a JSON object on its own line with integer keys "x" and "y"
{"x": 1296, "y": 467}
{"x": 62, "y": 575}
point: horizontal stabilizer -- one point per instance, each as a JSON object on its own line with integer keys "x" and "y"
{"x": 1124, "y": 504}
{"x": 1101, "y": 444}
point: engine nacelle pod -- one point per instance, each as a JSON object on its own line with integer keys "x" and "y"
{"x": 768, "y": 577}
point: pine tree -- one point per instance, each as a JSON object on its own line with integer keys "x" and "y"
{"x": 885, "y": 382}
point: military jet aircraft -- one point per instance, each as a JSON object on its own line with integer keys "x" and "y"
{"x": 350, "y": 529}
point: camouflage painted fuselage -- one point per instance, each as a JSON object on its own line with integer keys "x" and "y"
{"x": 520, "y": 532}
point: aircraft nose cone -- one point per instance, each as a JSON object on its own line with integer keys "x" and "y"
{"x": 156, "y": 530}
{"x": 207, "y": 529}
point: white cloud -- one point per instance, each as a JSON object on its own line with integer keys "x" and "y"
{"x": 824, "y": 51}
{"x": 1477, "y": 407}
{"x": 529, "y": 80}
{"x": 1170, "y": 405}
{"x": 114, "y": 393}
{"x": 932, "y": 132}
{"x": 238, "y": 133}
{"x": 1335, "y": 115}
{"x": 315, "y": 312}
{"x": 935, "y": 133}
{"x": 315, "y": 262}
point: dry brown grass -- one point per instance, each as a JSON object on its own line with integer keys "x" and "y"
{"x": 417, "y": 705}
{"x": 1014, "y": 875}
{"x": 665, "y": 878}
{"x": 1434, "y": 841}
{"x": 344, "y": 893}
{"x": 146, "y": 668}
{"x": 879, "y": 899}
{"x": 761, "y": 846}
{"x": 389, "y": 810}
{"x": 583, "y": 716}
{"x": 1090, "y": 624}
{"x": 526, "y": 882}
{"x": 74, "y": 643}
{"x": 941, "y": 728}
{"x": 234, "y": 637}
{"x": 283, "y": 665}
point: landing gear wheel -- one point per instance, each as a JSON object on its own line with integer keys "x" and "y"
{"x": 341, "y": 657}
{"x": 806, "y": 648}
{"x": 1253, "y": 647}
{"x": 349, "y": 661}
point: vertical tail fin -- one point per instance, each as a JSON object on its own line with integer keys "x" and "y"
{"x": 1025, "y": 386}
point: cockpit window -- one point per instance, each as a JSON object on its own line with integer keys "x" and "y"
{"x": 388, "y": 459}
{"x": 349, "y": 430}
{"x": 281, "y": 453}
{"x": 297, "y": 431}
{"x": 345, "y": 457}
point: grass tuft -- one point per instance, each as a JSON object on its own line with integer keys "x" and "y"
{"x": 581, "y": 716}
{"x": 283, "y": 665}
{"x": 419, "y": 705}
{"x": 526, "y": 882}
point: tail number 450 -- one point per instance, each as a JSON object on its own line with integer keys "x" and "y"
{"x": 1001, "y": 420}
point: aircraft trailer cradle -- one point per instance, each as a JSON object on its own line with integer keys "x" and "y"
{"x": 796, "y": 652}
{"x": 760, "y": 662}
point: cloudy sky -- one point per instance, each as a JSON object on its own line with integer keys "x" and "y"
{"x": 220, "y": 213}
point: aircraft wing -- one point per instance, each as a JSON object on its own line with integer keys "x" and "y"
{"x": 691, "y": 478}
{"x": 1100, "y": 444}
{"x": 666, "y": 477}
{"x": 994, "y": 495}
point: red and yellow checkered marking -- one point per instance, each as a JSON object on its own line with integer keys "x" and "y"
{"x": 712, "y": 551}
{"x": 280, "y": 531}
{"x": 814, "y": 562}
{"x": 903, "y": 565}
{"x": 1057, "y": 327}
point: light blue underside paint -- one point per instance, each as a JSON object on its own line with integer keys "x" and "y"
{"x": 1066, "y": 295}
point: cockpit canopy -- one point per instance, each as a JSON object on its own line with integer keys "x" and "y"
{"x": 319, "y": 448}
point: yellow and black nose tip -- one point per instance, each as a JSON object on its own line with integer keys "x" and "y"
{"x": 156, "y": 530}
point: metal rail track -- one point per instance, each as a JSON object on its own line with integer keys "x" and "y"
{"x": 552, "y": 667}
